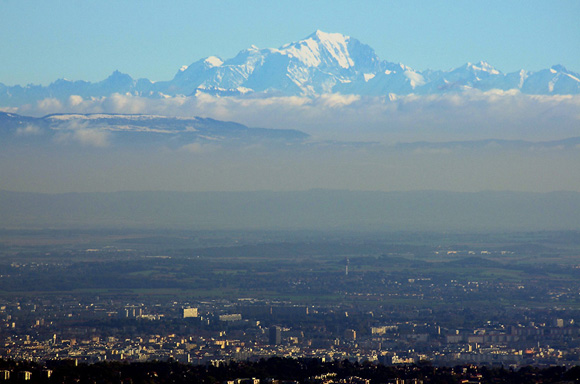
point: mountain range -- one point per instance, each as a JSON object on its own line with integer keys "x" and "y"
{"x": 318, "y": 64}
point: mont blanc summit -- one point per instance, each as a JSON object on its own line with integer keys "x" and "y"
{"x": 318, "y": 64}
{"x": 310, "y": 66}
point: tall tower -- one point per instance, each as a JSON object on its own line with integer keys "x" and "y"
{"x": 346, "y": 262}
{"x": 275, "y": 335}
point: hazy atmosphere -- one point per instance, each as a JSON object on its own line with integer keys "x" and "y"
{"x": 387, "y": 96}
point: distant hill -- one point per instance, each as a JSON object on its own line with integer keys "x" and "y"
{"x": 314, "y": 209}
{"x": 154, "y": 131}
{"x": 133, "y": 130}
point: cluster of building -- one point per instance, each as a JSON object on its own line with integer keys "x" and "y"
{"x": 217, "y": 331}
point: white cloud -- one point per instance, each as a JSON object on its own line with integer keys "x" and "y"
{"x": 74, "y": 100}
{"x": 28, "y": 130}
{"x": 199, "y": 148}
{"x": 457, "y": 116}
{"x": 91, "y": 137}
{"x": 75, "y": 132}
{"x": 50, "y": 105}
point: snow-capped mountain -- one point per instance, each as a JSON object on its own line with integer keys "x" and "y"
{"x": 320, "y": 63}
{"x": 310, "y": 66}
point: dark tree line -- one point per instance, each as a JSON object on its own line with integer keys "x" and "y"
{"x": 276, "y": 368}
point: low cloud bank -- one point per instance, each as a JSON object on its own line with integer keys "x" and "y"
{"x": 79, "y": 133}
{"x": 468, "y": 115}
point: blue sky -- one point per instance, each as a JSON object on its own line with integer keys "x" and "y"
{"x": 42, "y": 41}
